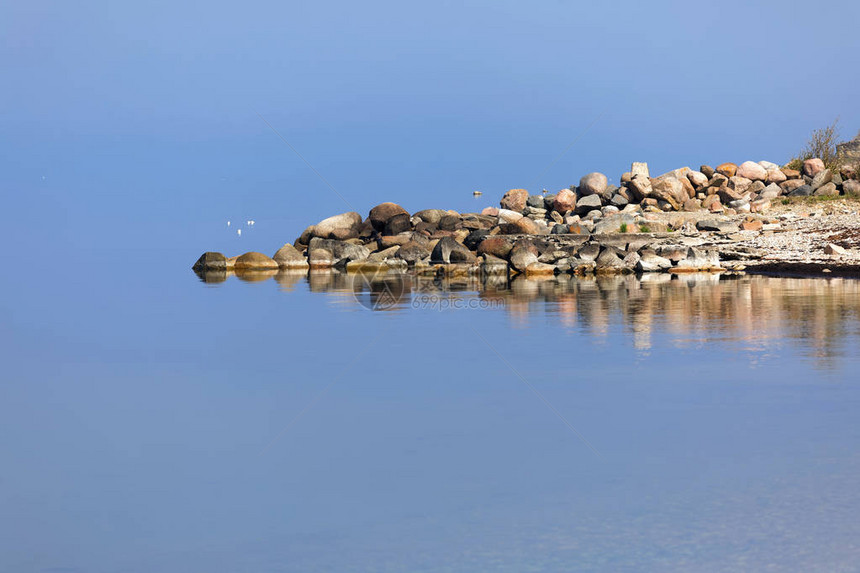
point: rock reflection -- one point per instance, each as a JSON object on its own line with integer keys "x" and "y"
{"x": 758, "y": 313}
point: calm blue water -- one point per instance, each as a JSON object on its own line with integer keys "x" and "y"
{"x": 153, "y": 422}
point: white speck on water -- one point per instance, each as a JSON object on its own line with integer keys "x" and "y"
{"x": 228, "y": 223}
{"x": 239, "y": 232}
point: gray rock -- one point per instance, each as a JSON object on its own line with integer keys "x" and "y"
{"x": 651, "y": 262}
{"x": 536, "y": 201}
{"x": 338, "y": 252}
{"x": 475, "y": 238}
{"x": 851, "y": 187}
{"x": 699, "y": 260}
{"x": 447, "y": 250}
{"x": 608, "y": 261}
{"x": 210, "y": 261}
{"x": 560, "y": 229}
{"x": 619, "y": 201}
{"x": 412, "y": 252}
{"x": 522, "y": 255}
{"x": 802, "y": 191}
{"x": 823, "y": 178}
{"x": 826, "y": 189}
{"x": 588, "y": 203}
{"x": 716, "y": 225}
{"x": 588, "y": 252}
{"x": 772, "y": 191}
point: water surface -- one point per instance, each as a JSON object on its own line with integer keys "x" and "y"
{"x": 151, "y": 421}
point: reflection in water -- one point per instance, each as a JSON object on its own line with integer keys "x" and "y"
{"x": 758, "y": 312}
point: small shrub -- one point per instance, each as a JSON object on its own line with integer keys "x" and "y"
{"x": 623, "y": 227}
{"x": 796, "y": 164}
{"x": 821, "y": 144}
{"x": 644, "y": 229}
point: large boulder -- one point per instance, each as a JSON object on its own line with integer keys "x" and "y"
{"x": 670, "y": 189}
{"x": 380, "y": 214}
{"x": 341, "y": 227}
{"x": 288, "y": 257}
{"x": 447, "y": 250}
{"x": 752, "y": 171}
{"x": 727, "y": 169}
{"x": 593, "y": 184}
{"x": 812, "y": 167}
{"x": 515, "y": 200}
{"x": 210, "y": 261}
{"x": 564, "y": 201}
{"x": 254, "y": 261}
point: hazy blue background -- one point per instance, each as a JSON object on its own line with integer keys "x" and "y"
{"x": 142, "y": 119}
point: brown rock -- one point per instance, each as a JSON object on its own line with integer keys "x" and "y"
{"x": 707, "y": 171}
{"x": 564, "y": 201}
{"x": 497, "y": 246}
{"x": 527, "y": 226}
{"x": 254, "y": 261}
{"x": 515, "y": 200}
{"x": 751, "y": 224}
{"x": 640, "y": 188}
{"x": 727, "y": 169}
{"x": 288, "y": 257}
{"x": 790, "y": 173}
{"x": 380, "y": 214}
{"x": 490, "y": 211}
{"x": 670, "y": 190}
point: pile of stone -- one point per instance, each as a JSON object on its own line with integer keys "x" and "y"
{"x": 594, "y": 227}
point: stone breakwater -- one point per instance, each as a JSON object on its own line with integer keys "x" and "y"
{"x": 728, "y": 218}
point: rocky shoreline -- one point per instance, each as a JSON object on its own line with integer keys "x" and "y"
{"x": 752, "y": 217}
